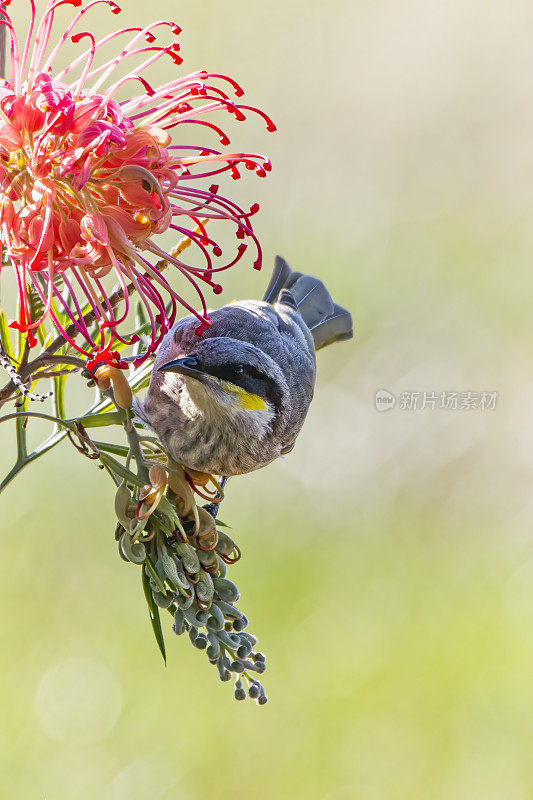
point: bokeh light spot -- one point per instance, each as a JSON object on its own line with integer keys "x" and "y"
{"x": 141, "y": 779}
{"x": 78, "y": 700}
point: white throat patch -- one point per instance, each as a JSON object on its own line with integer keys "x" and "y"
{"x": 221, "y": 402}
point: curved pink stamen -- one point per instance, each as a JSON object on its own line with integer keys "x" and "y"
{"x": 28, "y": 38}
{"x": 147, "y": 30}
{"x": 15, "y": 66}
{"x": 80, "y": 59}
{"x": 51, "y": 58}
{"x": 75, "y": 39}
{"x": 43, "y": 34}
{"x": 104, "y": 178}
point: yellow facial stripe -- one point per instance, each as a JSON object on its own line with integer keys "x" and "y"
{"x": 248, "y": 401}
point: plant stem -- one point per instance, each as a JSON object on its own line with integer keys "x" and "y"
{"x": 20, "y": 429}
{"x": 135, "y": 448}
{"x": 28, "y": 369}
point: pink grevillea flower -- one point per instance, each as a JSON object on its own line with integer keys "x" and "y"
{"x": 87, "y": 182}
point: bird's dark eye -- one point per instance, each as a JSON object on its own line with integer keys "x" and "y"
{"x": 238, "y": 370}
{"x": 145, "y": 184}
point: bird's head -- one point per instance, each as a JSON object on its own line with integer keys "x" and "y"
{"x": 229, "y": 377}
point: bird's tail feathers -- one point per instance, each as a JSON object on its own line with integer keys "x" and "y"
{"x": 281, "y": 273}
{"x": 327, "y": 321}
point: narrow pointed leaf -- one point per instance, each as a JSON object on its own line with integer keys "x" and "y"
{"x": 5, "y": 338}
{"x": 154, "y": 615}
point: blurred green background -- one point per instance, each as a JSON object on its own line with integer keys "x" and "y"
{"x": 388, "y": 561}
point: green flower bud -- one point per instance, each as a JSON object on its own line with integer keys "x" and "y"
{"x": 121, "y": 553}
{"x": 225, "y": 544}
{"x": 213, "y": 650}
{"x": 254, "y": 691}
{"x": 201, "y": 641}
{"x": 188, "y": 556}
{"x": 239, "y": 693}
{"x": 244, "y": 649}
{"x": 162, "y": 600}
{"x": 179, "y": 622}
{"x": 226, "y": 590}
{"x": 240, "y": 623}
{"x": 207, "y": 558}
{"x": 222, "y": 568}
{"x": 122, "y": 500}
{"x": 223, "y": 672}
{"x": 136, "y": 553}
{"x": 204, "y": 588}
{"x": 170, "y": 569}
{"x": 230, "y": 641}
{"x": 201, "y": 614}
{"x": 193, "y": 619}
{"x": 216, "y": 620}
{"x": 185, "y": 601}
{"x": 249, "y": 637}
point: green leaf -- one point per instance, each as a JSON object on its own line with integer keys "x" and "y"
{"x": 116, "y": 449}
{"x": 103, "y": 405}
{"x": 154, "y": 615}
{"x": 35, "y": 303}
{"x": 142, "y": 383}
{"x": 100, "y": 420}
{"x": 154, "y": 575}
{"x": 44, "y": 338}
{"x": 119, "y": 469}
{"x": 5, "y": 338}
{"x": 140, "y": 315}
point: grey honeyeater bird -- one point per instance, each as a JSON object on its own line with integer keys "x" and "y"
{"x": 234, "y": 399}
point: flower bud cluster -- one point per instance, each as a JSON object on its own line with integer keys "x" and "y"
{"x": 185, "y": 557}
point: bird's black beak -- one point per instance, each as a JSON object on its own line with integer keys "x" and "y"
{"x": 188, "y": 366}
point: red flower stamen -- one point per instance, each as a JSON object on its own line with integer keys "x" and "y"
{"x": 87, "y": 183}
